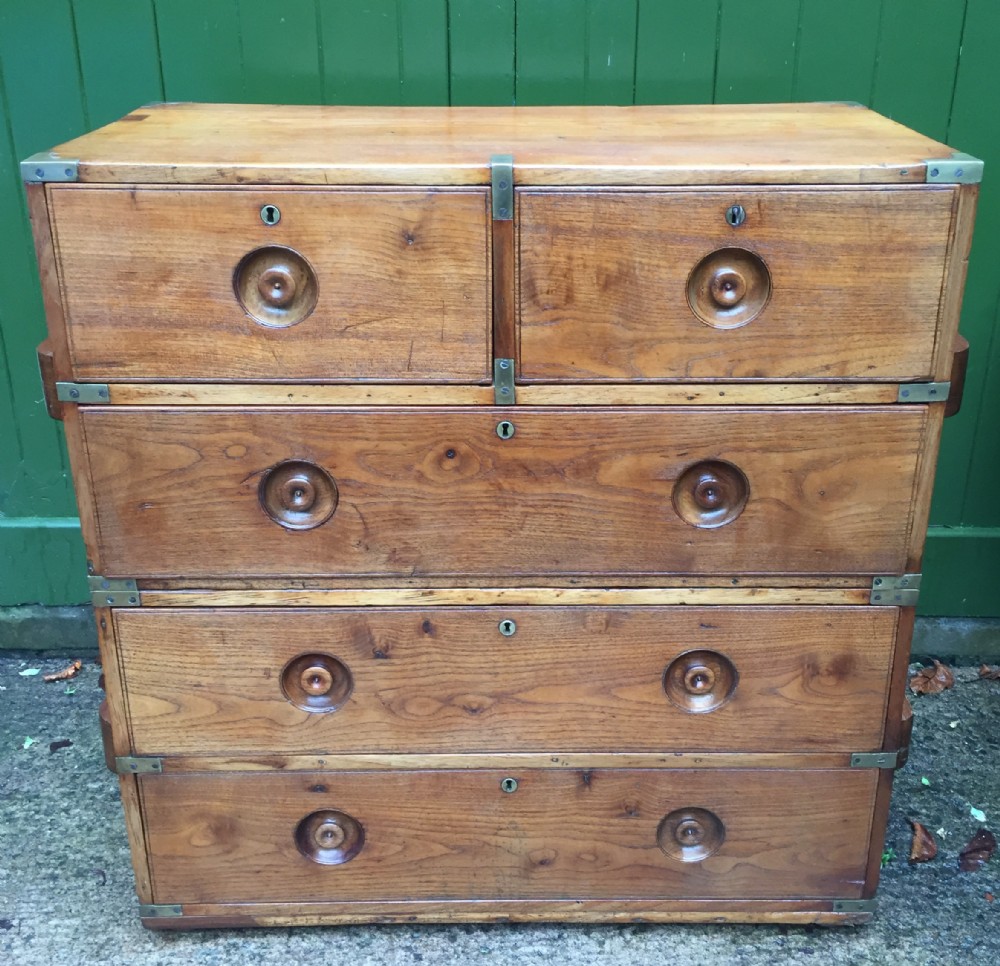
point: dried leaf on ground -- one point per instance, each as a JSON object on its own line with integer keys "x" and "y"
{"x": 932, "y": 680}
{"x": 66, "y": 673}
{"x": 989, "y": 673}
{"x": 29, "y": 672}
{"x": 978, "y": 852}
{"x": 923, "y": 848}
{"x": 61, "y": 743}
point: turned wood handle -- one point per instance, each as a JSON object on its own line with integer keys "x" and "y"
{"x": 47, "y": 370}
{"x": 106, "y": 739}
{"x": 959, "y": 366}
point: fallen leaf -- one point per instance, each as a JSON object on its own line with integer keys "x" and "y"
{"x": 28, "y": 742}
{"x": 932, "y": 680}
{"x": 61, "y": 743}
{"x": 102, "y": 876}
{"x": 30, "y": 672}
{"x": 990, "y": 674}
{"x": 69, "y": 690}
{"x": 941, "y": 832}
{"x": 887, "y": 856}
{"x": 977, "y": 813}
{"x": 978, "y": 852}
{"x": 66, "y": 673}
{"x": 923, "y": 847}
{"x": 989, "y": 897}
{"x": 952, "y": 724}
{"x": 924, "y": 780}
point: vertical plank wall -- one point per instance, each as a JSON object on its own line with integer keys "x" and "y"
{"x": 70, "y": 65}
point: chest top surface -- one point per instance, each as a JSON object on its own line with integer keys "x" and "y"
{"x": 187, "y": 143}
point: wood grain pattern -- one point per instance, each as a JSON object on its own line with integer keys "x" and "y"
{"x": 487, "y": 596}
{"x": 509, "y": 761}
{"x": 856, "y": 279}
{"x": 437, "y": 492}
{"x": 802, "y": 912}
{"x": 456, "y": 835}
{"x": 923, "y": 489}
{"x": 149, "y": 284}
{"x": 697, "y": 144}
{"x": 634, "y": 394}
{"x": 446, "y": 680}
{"x": 48, "y": 273}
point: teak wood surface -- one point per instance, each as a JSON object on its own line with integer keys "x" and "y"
{"x": 457, "y": 835}
{"x": 689, "y": 144}
{"x": 855, "y": 283}
{"x": 437, "y": 492}
{"x": 446, "y": 680}
{"x": 402, "y": 281}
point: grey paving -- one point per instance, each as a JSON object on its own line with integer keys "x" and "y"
{"x": 66, "y": 882}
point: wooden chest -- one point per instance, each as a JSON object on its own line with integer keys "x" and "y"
{"x": 503, "y": 513}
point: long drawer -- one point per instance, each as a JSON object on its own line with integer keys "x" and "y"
{"x": 275, "y": 284}
{"x": 551, "y": 834}
{"x": 521, "y": 679}
{"x": 516, "y": 491}
{"x": 809, "y": 283}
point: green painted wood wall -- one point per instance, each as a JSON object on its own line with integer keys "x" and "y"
{"x": 70, "y": 65}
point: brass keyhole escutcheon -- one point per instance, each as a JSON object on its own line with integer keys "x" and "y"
{"x": 505, "y": 429}
{"x": 729, "y": 287}
{"x": 276, "y": 286}
{"x": 700, "y": 681}
{"x": 298, "y": 495}
{"x": 508, "y": 628}
{"x": 508, "y": 785}
{"x": 270, "y": 214}
{"x": 317, "y": 682}
{"x": 690, "y": 834}
{"x": 736, "y": 215}
{"x": 329, "y": 837}
{"x": 710, "y": 494}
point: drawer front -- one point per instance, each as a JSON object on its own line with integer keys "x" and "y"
{"x": 451, "y": 680}
{"x": 166, "y": 284}
{"x": 457, "y": 835}
{"x": 201, "y": 493}
{"x": 818, "y": 284}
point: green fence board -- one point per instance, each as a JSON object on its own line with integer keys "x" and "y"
{"x": 676, "y": 54}
{"x": 35, "y": 480}
{"x": 115, "y": 85}
{"x": 609, "y": 68}
{"x": 281, "y": 53}
{"x": 756, "y": 51}
{"x": 200, "y": 50}
{"x": 551, "y": 40}
{"x": 975, "y": 127}
{"x": 361, "y": 53}
{"x": 928, "y": 64}
{"x": 481, "y": 51}
{"x": 835, "y": 51}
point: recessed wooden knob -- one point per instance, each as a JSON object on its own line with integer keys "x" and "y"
{"x": 298, "y": 495}
{"x": 710, "y": 494}
{"x": 276, "y": 286}
{"x": 317, "y": 682}
{"x": 700, "y": 681}
{"x": 690, "y": 834}
{"x": 329, "y": 837}
{"x": 729, "y": 287}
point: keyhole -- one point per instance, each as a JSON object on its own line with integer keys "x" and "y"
{"x": 270, "y": 215}
{"x": 505, "y": 429}
{"x": 508, "y": 628}
{"x": 736, "y": 215}
{"x": 509, "y": 785}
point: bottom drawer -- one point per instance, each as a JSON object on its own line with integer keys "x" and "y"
{"x": 561, "y": 833}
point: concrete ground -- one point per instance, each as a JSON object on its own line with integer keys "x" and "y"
{"x": 66, "y": 882}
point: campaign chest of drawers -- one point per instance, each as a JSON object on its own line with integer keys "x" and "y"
{"x": 507, "y": 513}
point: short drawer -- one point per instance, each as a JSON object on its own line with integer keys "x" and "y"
{"x": 459, "y": 835}
{"x": 520, "y": 491}
{"x": 815, "y": 284}
{"x": 276, "y": 284}
{"x": 517, "y": 679}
